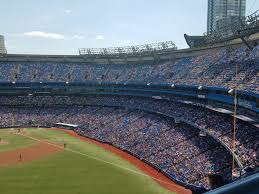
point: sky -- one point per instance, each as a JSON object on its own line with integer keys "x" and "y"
{"x": 63, "y": 26}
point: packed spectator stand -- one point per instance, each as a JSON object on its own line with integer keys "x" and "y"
{"x": 132, "y": 124}
{"x": 164, "y": 133}
{"x": 214, "y": 68}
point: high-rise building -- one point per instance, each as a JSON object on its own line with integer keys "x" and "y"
{"x": 223, "y": 12}
{"x": 2, "y": 45}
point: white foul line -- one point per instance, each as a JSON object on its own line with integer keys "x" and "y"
{"x": 98, "y": 159}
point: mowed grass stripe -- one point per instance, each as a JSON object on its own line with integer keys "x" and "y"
{"x": 70, "y": 173}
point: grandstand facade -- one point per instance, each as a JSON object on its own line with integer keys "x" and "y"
{"x": 173, "y": 109}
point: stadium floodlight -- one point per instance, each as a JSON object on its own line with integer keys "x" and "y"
{"x": 130, "y": 50}
{"x": 231, "y": 91}
{"x": 177, "y": 121}
{"x": 200, "y": 88}
{"x": 202, "y": 134}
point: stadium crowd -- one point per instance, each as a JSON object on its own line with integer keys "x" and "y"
{"x": 174, "y": 147}
{"x": 215, "y": 68}
{"x": 182, "y": 140}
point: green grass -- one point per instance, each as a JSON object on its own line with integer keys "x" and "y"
{"x": 71, "y": 173}
{"x": 14, "y": 141}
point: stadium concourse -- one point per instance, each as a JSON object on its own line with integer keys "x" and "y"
{"x": 184, "y": 141}
{"x": 215, "y": 68}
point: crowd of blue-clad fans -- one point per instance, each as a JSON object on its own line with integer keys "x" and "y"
{"x": 176, "y": 148}
{"x": 215, "y": 68}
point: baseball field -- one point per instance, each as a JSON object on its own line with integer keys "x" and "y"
{"x": 48, "y": 161}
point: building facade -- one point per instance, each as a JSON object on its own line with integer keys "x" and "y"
{"x": 223, "y": 12}
{"x": 2, "y": 45}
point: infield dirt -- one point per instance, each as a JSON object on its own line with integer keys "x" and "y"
{"x": 24, "y": 155}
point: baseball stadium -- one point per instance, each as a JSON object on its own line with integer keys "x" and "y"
{"x": 142, "y": 119}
